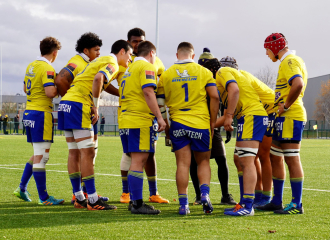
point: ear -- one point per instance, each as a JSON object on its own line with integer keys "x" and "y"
{"x": 86, "y": 51}
{"x": 177, "y": 55}
{"x": 193, "y": 56}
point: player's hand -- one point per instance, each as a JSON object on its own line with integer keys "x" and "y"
{"x": 280, "y": 109}
{"x": 228, "y": 136}
{"x": 95, "y": 112}
{"x": 161, "y": 124}
{"x": 227, "y": 124}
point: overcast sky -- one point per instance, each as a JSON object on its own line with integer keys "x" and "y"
{"x": 235, "y": 28}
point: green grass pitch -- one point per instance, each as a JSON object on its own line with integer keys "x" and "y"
{"x": 21, "y": 220}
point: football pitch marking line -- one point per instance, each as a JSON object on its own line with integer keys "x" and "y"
{"x": 115, "y": 175}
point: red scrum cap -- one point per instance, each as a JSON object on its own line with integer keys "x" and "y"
{"x": 275, "y": 42}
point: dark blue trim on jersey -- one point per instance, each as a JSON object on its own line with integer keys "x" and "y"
{"x": 49, "y": 84}
{"x": 29, "y": 100}
{"x": 230, "y": 81}
{"x": 210, "y": 84}
{"x": 293, "y": 77}
{"x": 24, "y": 82}
{"x": 161, "y": 96}
{"x": 104, "y": 75}
{"x": 123, "y": 111}
{"x": 185, "y": 109}
{"x": 149, "y": 85}
{"x": 69, "y": 72}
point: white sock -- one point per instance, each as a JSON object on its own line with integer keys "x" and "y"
{"x": 80, "y": 195}
{"x": 92, "y": 198}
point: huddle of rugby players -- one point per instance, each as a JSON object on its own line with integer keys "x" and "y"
{"x": 269, "y": 123}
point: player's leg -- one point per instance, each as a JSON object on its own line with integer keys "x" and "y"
{"x": 258, "y": 188}
{"x": 125, "y": 164}
{"x": 21, "y": 192}
{"x": 194, "y": 179}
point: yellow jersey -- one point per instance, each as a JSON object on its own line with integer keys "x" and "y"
{"x": 265, "y": 93}
{"x": 248, "y": 102}
{"x": 291, "y": 67}
{"x": 183, "y": 87}
{"x": 82, "y": 85}
{"x": 75, "y": 65}
{"x": 135, "y": 112}
{"x": 39, "y": 74}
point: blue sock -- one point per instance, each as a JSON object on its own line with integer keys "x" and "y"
{"x": 75, "y": 179}
{"x": 205, "y": 189}
{"x": 39, "y": 175}
{"x": 125, "y": 184}
{"x": 297, "y": 188}
{"x": 278, "y": 190}
{"x": 258, "y": 196}
{"x": 248, "y": 200}
{"x": 183, "y": 199}
{"x": 152, "y": 180}
{"x": 89, "y": 182}
{"x": 26, "y": 176}
{"x": 83, "y": 187}
{"x": 135, "y": 181}
{"x": 241, "y": 186}
{"x": 266, "y": 196}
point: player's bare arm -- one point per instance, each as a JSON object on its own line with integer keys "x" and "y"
{"x": 151, "y": 100}
{"x": 233, "y": 96}
{"x": 214, "y": 105}
{"x": 51, "y": 91}
{"x": 296, "y": 88}
{"x": 97, "y": 88}
{"x": 112, "y": 90}
{"x": 24, "y": 88}
{"x": 63, "y": 81}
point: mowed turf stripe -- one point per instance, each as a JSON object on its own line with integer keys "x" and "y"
{"x": 160, "y": 179}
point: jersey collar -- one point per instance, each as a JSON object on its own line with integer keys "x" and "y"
{"x": 184, "y": 61}
{"x": 84, "y": 56}
{"x": 287, "y": 54}
{"x": 114, "y": 56}
{"x": 44, "y": 59}
{"x": 140, "y": 58}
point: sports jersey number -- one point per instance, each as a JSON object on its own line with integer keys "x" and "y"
{"x": 122, "y": 91}
{"x": 28, "y": 87}
{"x": 185, "y": 86}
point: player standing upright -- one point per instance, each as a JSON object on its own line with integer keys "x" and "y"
{"x": 38, "y": 119}
{"x": 76, "y": 109}
{"x": 136, "y": 36}
{"x": 183, "y": 89}
{"x": 139, "y": 120}
{"x": 289, "y": 124}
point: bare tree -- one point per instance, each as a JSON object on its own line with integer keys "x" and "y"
{"x": 267, "y": 76}
{"x": 322, "y": 103}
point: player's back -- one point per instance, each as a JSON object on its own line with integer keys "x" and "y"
{"x": 76, "y": 65}
{"x": 265, "y": 93}
{"x": 39, "y": 74}
{"x": 82, "y": 85}
{"x": 135, "y": 112}
{"x": 183, "y": 85}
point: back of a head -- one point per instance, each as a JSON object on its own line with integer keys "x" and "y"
{"x": 185, "y": 48}
{"x": 145, "y": 48}
{"x": 120, "y": 44}
{"x": 229, "y": 62}
{"x": 88, "y": 40}
{"x": 49, "y": 45}
{"x": 137, "y": 32}
{"x": 206, "y": 55}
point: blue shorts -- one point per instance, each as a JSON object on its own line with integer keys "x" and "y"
{"x": 95, "y": 128}
{"x": 38, "y": 126}
{"x": 74, "y": 115}
{"x": 138, "y": 139}
{"x": 181, "y": 135}
{"x": 251, "y": 128}
{"x": 270, "y": 127}
{"x": 288, "y": 129}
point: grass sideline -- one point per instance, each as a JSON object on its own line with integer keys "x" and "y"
{"x": 21, "y": 220}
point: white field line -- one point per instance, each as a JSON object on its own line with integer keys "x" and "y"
{"x": 115, "y": 175}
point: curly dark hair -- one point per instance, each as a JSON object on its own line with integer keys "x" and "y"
{"x": 137, "y": 32}
{"x": 48, "y": 45}
{"x": 88, "y": 40}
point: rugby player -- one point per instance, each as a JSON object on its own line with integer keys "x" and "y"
{"x": 183, "y": 89}
{"x": 289, "y": 124}
{"x": 242, "y": 101}
{"x": 75, "y": 110}
{"x": 88, "y": 48}
{"x": 38, "y": 119}
{"x": 135, "y": 36}
{"x": 139, "y": 120}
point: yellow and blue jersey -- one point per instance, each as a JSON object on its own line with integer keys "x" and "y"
{"x": 39, "y": 74}
{"x": 291, "y": 67}
{"x": 249, "y": 102}
{"x": 265, "y": 93}
{"x": 135, "y": 112}
{"x": 75, "y": 65}
{"x": 82, "y": 85}
{"x": 183, "y": 87}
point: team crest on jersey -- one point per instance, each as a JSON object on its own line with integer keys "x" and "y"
{"x": 50, "y": 74}
{"x": 110, "y": 69}
{"x": 30, "y": 73}
{"x": 183, "y": 74}
{"x": 71, "y": 66}
{"x": 150, "y": 75}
